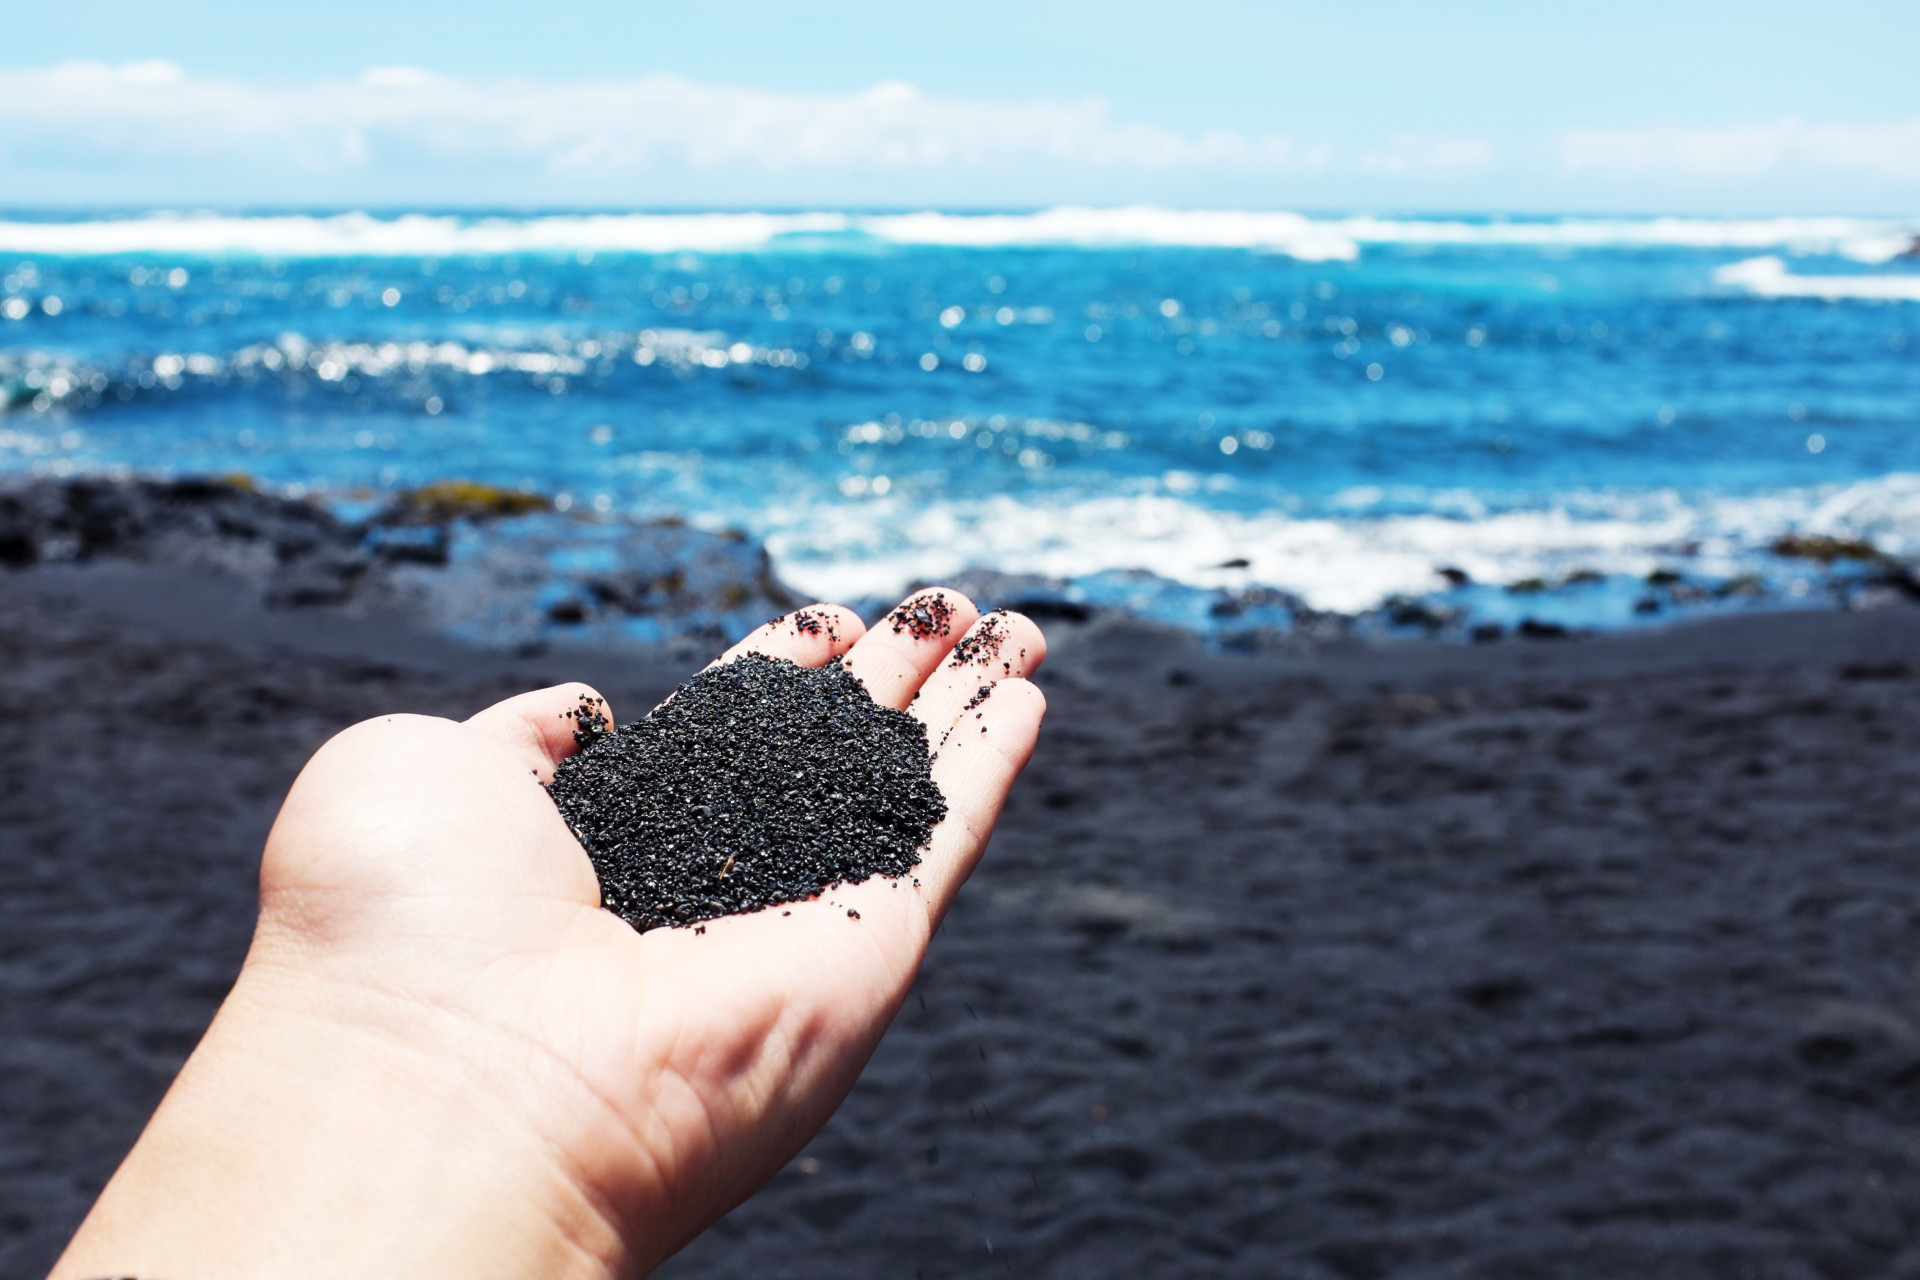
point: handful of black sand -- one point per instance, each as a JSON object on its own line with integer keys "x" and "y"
{"x": 759, "y": 782}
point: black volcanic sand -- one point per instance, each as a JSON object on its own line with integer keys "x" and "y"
{"x": 759, "y": 782}
{"x": 1588, "y": 958}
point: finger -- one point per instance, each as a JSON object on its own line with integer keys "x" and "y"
{"x": 546, "y": 726}
{"x": 975, "y": 770}
{"x": 806, "y": 637}
{"x": 905, "y": 646}
{"x": 1002, "y": 645}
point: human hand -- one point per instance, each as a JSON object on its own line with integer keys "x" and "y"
{"x": 442, "y": 1057}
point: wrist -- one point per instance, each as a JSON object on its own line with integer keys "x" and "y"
{"x": 313, "y": 1103}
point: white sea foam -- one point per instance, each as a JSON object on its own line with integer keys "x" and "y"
{"x": 1863, "y": 239}
{"x": 412, "y": 235}
{"x": 1342, "y": 239}
{"x": 1288, "y": 233}
{"x": 1768, "y": 277}
{"x": 850, "y": 550}
{"x": 1309, "y": 239}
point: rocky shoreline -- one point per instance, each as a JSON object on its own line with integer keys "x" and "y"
{"x": 496, "y": 567}
{"x": 509, "y": 570}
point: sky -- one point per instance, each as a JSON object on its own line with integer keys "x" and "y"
{"x": 1381, "y": 105}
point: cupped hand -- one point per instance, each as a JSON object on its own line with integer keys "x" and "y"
{"x": 443, "y": 1056}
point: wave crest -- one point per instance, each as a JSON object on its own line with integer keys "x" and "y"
{"x": 1296, "y": 235}
{"x": 1768, "y": 277}
{"x": 1347, "y": 564}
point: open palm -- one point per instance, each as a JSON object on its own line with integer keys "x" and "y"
{"x": 421, "y": 876}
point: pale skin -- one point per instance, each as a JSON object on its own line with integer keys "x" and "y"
{"x": 442, "y": 1057}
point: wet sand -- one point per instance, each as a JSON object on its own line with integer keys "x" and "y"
{"x": 1594, "y": 957}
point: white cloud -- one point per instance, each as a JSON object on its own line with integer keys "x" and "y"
{"x": 154, "y": 134}
{"x": 1886, "y": 151}
{"x": 90, "y": 112}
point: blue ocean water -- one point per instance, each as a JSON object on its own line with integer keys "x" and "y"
{"x": 1340, "y": 408}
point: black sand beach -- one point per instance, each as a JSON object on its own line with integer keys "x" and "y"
{"x": 1586, "y": 957}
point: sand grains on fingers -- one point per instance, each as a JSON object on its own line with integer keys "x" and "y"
{"x": 1002, "y": 645}
{"x": 808, "y": 637}
{"x": 974, "y": 771}
{"x": 546, "y": 726}
{"x": 905, "y": 647}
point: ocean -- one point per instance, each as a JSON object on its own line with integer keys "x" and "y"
{"x": 1440, "y": 423}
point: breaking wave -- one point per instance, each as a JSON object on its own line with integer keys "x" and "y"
{"x": 1768, "y": 277}
{"x": 1347, "y": 564}
{"x": 1291, "y": 234}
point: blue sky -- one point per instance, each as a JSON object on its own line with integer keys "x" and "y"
{"x": 1752, "y": 108}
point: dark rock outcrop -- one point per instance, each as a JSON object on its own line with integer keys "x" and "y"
{"x": 495, "y": 566}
